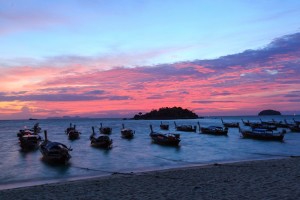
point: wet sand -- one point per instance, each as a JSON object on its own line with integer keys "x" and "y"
{"x": 267, "y": 179}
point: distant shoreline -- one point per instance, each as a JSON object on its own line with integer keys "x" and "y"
{"x": 124, "y": 118}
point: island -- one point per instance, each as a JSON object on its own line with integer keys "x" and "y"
{"x": 167, "y": 113}
{"x": 269, "y": 112}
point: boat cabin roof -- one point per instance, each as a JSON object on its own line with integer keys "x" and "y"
{"x": 51, "y": 145}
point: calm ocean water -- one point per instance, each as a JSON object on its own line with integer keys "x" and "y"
{"x": 139, "y": 154}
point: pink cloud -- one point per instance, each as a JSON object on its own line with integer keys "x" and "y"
{"x": 243, "y": 83}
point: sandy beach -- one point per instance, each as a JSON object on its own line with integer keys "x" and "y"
{"x": 267, "y": 179}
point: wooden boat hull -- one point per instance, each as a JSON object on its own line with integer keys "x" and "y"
{"x": 294, "y": 128}
{"x": 164, "y": 139}
{"x": 55, "y": 152}
{"x": 101, "y": 142}
{"x": 186, "y": 129}
{"x": 249, "y": 134}
{"x": 105, "y": 130}
{"x": 29, "y": 146}
{"x": 127, "y": 134}
{"x": 164, "y": 126}
{"x": 72, "y": 132}
{"x": 265, "y": 126}
{"x": 213, "y": 132}
{"x": 29, "y": 142}
{"x": 231, "y": 125}
{"x": 73, "y": 135}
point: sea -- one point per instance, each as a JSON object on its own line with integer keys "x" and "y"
{"x": 19, "y": 168}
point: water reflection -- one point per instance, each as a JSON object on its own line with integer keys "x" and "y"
{"x": 58, "y": 168}
{"x": 137, "y": 154}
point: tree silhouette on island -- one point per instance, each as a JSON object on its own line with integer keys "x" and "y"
{"x": 269, "y": 112}
{"x": 167, "y": 113}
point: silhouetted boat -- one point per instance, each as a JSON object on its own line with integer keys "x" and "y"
{"x": 54, "y": 151}
{"x": 105, "y": 130}
{"x": 164, "y": 139}
{"x": 264, "y": 126}
{"x": 34, "y": 130}
{"x": 32, "y": 119}
{"x": 296, "y": 122}
{"x": 29, "y": 141}
{"x": 280, "y": 124}
{"x": 102, "y": 141}
{"x": 293, "y": 127}
{"x": 213, "y": 130}
{"x": 69, "y": 128}
{"x": 164, "y": 126}
{"x": 289, "y": 124}
{"x": 186, "y": 128}
{"x": 248, "y": 123}
{"x": 263, "y": 134}
{"x": 271, "y": 123}
{"x": 230, "y": 124}
{"x": 126, "y": 132}
{"x": 72, "y": 132}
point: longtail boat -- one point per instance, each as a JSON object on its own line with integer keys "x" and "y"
{"x": 54, "y": 151}
{"x": 164, "y": 139}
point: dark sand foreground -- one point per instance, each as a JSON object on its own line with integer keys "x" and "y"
{"x": 270, "y": 179}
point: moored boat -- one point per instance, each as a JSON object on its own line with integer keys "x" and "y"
{"x": 105, "y": 130}
{"x": 264, "y": 126}
{"x": 296, "y": 122}
{"x": 164, "y": 139}
{"x": 36, "y": 129}
{"x": 54, "y": 151}
{"x": 30, "y": 141}
{"x": 294, "y": 127}
{"x": 267, "y": 122}
{"x": 127, "y": 132}
{"x": 69, "y": 128}
{"x": 230, "y": 124}
{"x": 263, "y": 134}
{"x": 185, "y": 128}
{"x": 72, "y": 132}
{"x": 102, "y": 141}
{"x": 289, "y": 124}
{"x": 164, "y": 126}
{"x": 248, "y": 123}
{"x": 213, "y": 130}
{"x": 279, "y": 124}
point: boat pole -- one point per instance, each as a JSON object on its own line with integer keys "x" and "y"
{"x": 45, "y": 133}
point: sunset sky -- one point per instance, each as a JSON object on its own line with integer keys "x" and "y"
{"x": 115, "y": 58}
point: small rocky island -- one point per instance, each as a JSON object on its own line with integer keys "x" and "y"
{"x": 269, "y": 112}
{"x": 167, "y": 113}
